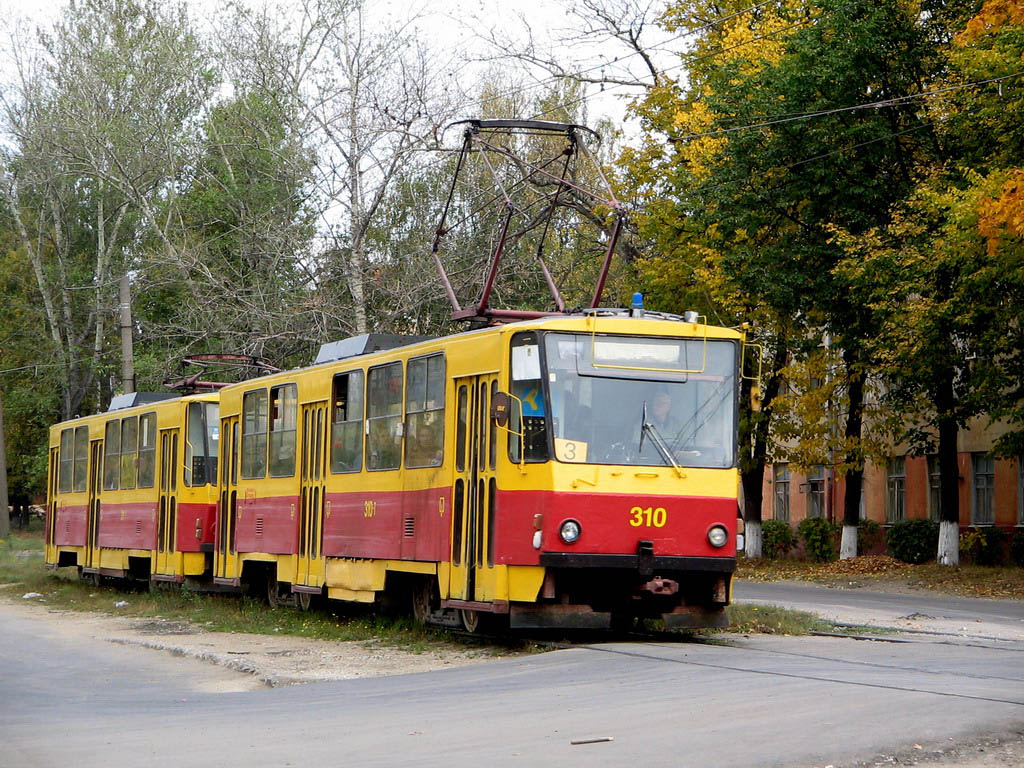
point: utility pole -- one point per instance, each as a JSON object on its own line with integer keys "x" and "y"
{"x": 127, "y": 351}
{"x": 5, "y": 517}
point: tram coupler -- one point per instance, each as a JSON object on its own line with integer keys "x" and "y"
{"x": 660, "y": 586}
{"x": 645, "y": 558}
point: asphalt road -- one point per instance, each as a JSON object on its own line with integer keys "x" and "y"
{"x": 757, "y": 701}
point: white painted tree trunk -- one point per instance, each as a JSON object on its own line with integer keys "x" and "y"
{"x": 753, "y": 539}
{"x": 949, "y": 543}
{"x": 848, "y": 544}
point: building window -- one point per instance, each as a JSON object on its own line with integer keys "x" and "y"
{"x": 347, "y": 423}
{"x": 424, "y": 409}
{"x": 895, "y": 485}
{"x": 816, "y": 491}
{"x": 384, "y": 417}
{"x": 780, "y": 502}
{"x": 284, "y": 418}
{"x": 982, "y": 507}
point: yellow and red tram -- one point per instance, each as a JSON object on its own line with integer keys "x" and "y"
{"x": 571, "y": 470}
{"x": 518, "y": 471}
{"x": 132, "y": 491}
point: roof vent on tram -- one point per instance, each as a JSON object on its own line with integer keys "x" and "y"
{"x": 364, "y": 345}
{"x": 130, "y": 400}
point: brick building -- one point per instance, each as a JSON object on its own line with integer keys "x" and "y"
{"x": 905, "y": 487}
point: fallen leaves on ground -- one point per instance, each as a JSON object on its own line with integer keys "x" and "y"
{"x": 890, "y": 574}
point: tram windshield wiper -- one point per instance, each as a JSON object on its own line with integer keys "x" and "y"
{"x": 646, "y": 428}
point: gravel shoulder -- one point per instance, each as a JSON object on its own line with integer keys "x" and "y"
{"x": 241, "y": 661}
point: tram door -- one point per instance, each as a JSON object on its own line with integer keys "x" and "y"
{"x": 92, "y": 528}
{"x": 226, "y": 565}
{"x": 167, "y": 509}
{"x": 51, "y": 506}
{"x": 472, "y": 554}
{"x": 311, "y": 506}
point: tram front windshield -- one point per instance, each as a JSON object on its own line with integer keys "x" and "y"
{"x": 634, "y": 400}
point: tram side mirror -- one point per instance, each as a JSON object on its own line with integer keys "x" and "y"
{"x": 755, "y": 397}
{"x": 500, "y": 408}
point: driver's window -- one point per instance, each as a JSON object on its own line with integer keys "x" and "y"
{"x": 528, "y": 412}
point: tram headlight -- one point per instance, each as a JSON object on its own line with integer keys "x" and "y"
{"x": 717, "y": 536}
{"x": 570, "y": 531}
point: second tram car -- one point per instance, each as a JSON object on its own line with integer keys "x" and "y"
{"x": 131, "y": 492}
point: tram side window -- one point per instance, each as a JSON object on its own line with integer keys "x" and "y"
{"x": 112, "y": 455}
{"x": 147, "y": 450}
{"x": 424, "y": 408}
{"x": 67, "y": 460}
{"x": 201, "y": 444}
{"x": 528, "y": 411}
{"x": 129, "y": 451}
{"x": 384, "y": 417}
{"x": 254, "y": 434}
{"x": 81, "y": 458}
{"x": 347, "y": 423}
{"x": 284, "y": 414}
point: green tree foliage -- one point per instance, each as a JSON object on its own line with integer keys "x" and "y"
{"x": 947, "y": 273}
{"x": 764, "y": 160}
{"x": 98, "y": 121}
{"x": 243, "y": 235}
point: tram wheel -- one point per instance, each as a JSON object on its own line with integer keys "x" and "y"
{"x": 304, "y": 600}
{"x": 273, "y": 592}
{"x": 479, "y": 622}
{"x": 422, "y": 608}
{"x": 472, "y": 621}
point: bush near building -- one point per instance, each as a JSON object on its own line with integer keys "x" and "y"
{"x": 983, "y": 546}
{"x": 914, "y": 541}
{"x": 777, "y": 539}
{"x": 1017, "y": 548}
{"x": 819, "y": 538}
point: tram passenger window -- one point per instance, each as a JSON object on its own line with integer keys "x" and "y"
{"x": 147, "y": 450}
{"x": 129, "y": 451}
{"x": 67, "y": 460}
{"x": 81, "y": 458}
{"x": 201, "y": 444}
{"x": 461, "y": 429}
{"x": 112, "y": 455}
{"x": 384, "y": 417}
{"x": 424, "y": 407}
{"x": 347, "y": 423}
{"x": 529, "y": 409}
{"x": 254, "y": 434}
{"x": 284, "y": 412}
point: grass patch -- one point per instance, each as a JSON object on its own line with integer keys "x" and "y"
{"x": 997, "y": 582}
{"x": 22, "y": 572}
{"x": 745, "y": 618}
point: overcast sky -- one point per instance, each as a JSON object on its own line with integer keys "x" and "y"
{"x": 458, "y": 28}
